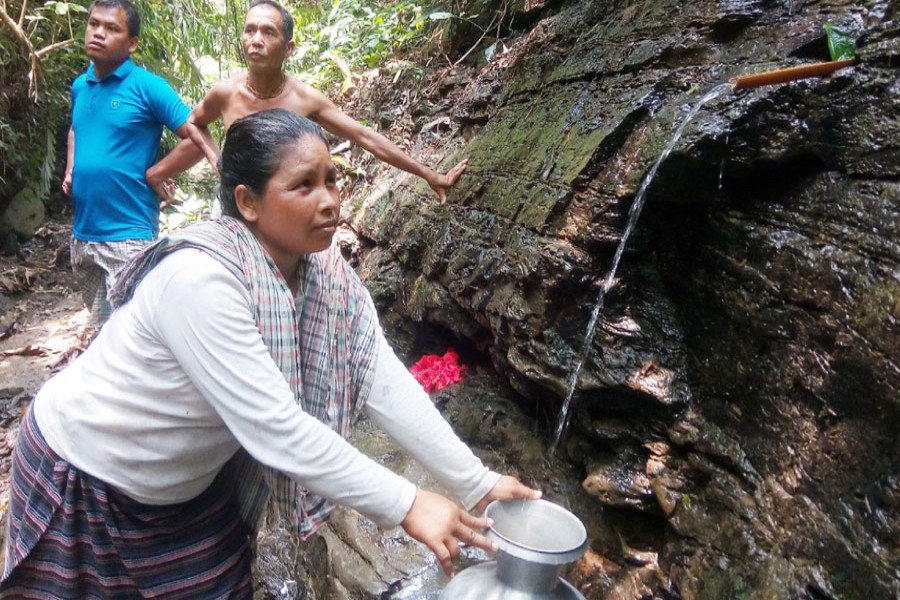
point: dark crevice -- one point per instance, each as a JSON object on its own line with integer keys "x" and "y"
{"x": 782, "y": 178}
{"x": 730, "y": 27}
{"x": 525, "y": 20}
{"x": 429, "y": 338}
{"x": 613, "y": 143}
{"x": 815, "y": 49}
{"x": 623, "y": 401}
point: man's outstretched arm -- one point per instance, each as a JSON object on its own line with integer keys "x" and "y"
{"x": 331, "y": 118}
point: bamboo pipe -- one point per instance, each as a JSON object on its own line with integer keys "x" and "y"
{"x": 790, "y": 74}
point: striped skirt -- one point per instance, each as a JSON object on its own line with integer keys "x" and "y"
{"x": 72, "y": 536}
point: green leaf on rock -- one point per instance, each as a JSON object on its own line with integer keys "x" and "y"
{"x": 840, "y": 45}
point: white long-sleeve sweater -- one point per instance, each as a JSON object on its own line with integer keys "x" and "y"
{"x": 179, "y": 378}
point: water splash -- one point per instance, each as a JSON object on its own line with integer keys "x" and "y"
{"x": 633, "y": 214}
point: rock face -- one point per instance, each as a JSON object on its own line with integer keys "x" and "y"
{"x": 21, "y": 218}
{"x": 741, "y": 399}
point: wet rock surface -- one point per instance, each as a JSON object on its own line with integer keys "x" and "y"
{"x": 734, "y": 431}
{"x": 735, "y": 424}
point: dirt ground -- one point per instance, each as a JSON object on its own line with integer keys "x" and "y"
{"x": 42, "y": 321}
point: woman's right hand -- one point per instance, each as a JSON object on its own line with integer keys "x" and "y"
{"x": 442, "y": 525}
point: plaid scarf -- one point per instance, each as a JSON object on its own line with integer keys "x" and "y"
{"x": 324, "y": 345}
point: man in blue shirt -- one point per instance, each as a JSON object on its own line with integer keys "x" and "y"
{"x": 118, "y": 112}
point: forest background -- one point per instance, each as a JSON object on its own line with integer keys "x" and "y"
{"x": 193, "y": 44}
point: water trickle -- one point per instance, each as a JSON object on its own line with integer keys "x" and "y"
{"x": 722, "y": 164}
{"x": 633, "y": 214}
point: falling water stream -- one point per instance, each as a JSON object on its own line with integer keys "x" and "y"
{"x": 428, "y": 583}
{"x": 633, "y": 214}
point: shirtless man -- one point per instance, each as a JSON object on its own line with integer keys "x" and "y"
{"x": 267, "y": 40}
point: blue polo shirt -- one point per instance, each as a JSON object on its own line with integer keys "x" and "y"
{"x": 118, "y": 125}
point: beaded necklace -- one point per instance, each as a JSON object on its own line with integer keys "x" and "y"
{"x": 277, "y": 92}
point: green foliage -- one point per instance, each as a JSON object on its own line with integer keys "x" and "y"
{"x": 840, "y": 45}
{"x": 192, "y": 43}
{"x": 35, "y": 102}
{"x": 187, "y": 209}
{"x": 34, "y": 98}
{"x": 335, "y": 41}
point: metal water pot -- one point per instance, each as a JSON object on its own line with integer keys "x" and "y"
{"x": 536, "y": 539}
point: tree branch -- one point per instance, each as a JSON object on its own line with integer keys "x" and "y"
{"x": 22, "y": 14}
{"x": 16, "y": 29}
{"x": 46, "y": 49}
{"x": 32, "y": 55}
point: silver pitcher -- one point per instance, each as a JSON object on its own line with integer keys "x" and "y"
{"x": 536, "y": 540}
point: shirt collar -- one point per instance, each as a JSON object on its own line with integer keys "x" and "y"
{"x": 121, "y": 71}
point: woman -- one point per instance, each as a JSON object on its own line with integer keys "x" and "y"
{"x": 229, "y": 374}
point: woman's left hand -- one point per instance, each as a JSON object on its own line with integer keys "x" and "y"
{"x": 508, "y": 488}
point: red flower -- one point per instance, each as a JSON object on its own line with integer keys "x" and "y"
{"x": 435, "y": 372}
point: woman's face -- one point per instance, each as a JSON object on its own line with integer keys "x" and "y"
{"x": 298, "y": 211}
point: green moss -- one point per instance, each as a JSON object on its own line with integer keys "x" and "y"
{"x": 878, "y": 312}
{"x": 717, "y": 585}
{"x": 375, "y": 213}
{"x": 533, "y": 151}
{"x": 842, "y": 584}
{"x": 421, "y": 298}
